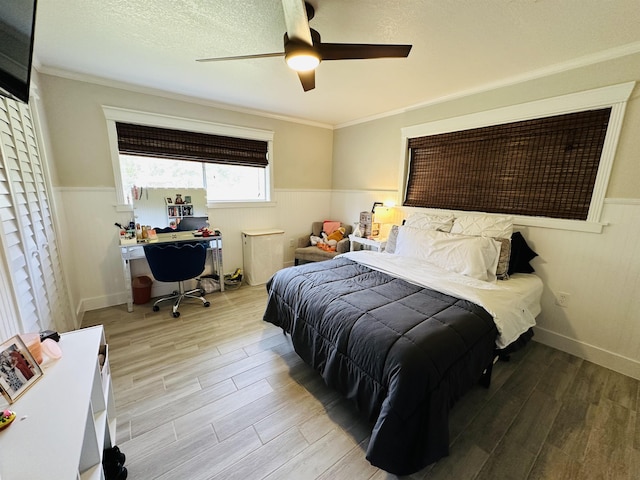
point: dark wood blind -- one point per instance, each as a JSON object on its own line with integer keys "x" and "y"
{"x": 183, "y": 145}
{"x": 544, "y": 167}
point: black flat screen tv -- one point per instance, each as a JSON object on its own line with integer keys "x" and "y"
{"x": 17, "y": 22}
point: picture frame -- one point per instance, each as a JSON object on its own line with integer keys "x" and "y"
{"x": 169, "y": 201}
{"x": 19, "y": 371}
{"x": 187, "y": 199}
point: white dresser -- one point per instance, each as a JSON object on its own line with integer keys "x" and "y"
{"x": 66, "y": 419}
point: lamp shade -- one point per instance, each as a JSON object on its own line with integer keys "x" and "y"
{"x": 300, "y": 56}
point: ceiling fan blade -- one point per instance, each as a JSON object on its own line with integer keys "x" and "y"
{"x": 241, "y": 57}
{"x": 355, "y": 51}
{"x": 295, "y": 18}
{"x": 308, "y": 80}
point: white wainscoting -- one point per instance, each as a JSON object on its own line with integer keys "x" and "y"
{"x": 94, "y": 257}
{"x": 600, "y": 271}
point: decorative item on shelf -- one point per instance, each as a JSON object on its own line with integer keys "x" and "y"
{"x": 366, "y": 218}
{"x": 127, "y": 234}
{"x": 356, "y": 231}
{"x": 168, "y": 201}
{"x": 179, "y": 200}
{"x": 34, "y": 345}
{"x": 187, "y": 199}
{"x": 18, "y": 369}
{"x": 6, "y": 417}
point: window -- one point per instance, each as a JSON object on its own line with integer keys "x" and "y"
{"x": 544, "y": 167}
{"x": 546, "y": 163}
{"x": 156, "y": 151}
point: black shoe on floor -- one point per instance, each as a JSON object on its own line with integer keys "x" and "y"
{"x": 114, "y": 471}
{"x": 114, "y": 455}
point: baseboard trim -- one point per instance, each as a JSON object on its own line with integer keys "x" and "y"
{"x": 626, "y": 366}
{"x": 103, "y": 301}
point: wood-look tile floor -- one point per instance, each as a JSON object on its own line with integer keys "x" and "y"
{"x": 220, "y": 394}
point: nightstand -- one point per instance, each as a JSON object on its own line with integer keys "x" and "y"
{"x": 376, "y": 244}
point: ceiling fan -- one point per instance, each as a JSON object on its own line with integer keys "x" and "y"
{"x": 303, "y": 50}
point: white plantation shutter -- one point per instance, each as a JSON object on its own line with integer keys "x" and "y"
{"x": 26, "y": 227}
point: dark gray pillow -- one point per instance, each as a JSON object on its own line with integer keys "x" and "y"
{"x": 521, "y": 255}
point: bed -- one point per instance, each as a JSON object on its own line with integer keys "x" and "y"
{"x": 402, "y": 336}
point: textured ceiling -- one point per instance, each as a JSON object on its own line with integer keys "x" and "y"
{"x": 458, "y": 46}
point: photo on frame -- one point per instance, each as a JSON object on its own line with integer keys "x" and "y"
{"x": 18, "y": 369}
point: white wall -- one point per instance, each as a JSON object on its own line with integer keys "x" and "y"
{"x": 601, "y": 272}
{"x": 96, "y": 267}
{"x": 85, "y": 185}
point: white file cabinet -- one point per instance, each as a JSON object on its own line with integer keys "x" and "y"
{"x": 263, "y": 254}
{"x": 66, "y": 419}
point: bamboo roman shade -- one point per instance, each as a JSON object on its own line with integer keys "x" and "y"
{"x": 184, "y": 145}
{"x": 543, "y": 167}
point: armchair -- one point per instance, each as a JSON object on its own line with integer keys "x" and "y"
{"x": 306, "y": 252}
{"x": 177, "y": 262}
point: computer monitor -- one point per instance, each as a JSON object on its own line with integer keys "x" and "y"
{"x": 192, "y": 223}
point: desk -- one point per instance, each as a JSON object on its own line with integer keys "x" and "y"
{"x": 377, "y": 244}
{"x": 136, "y": 251}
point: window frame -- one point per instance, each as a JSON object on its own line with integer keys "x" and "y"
{"x": 615, "y": 96}
{"x": 122, "y": 115}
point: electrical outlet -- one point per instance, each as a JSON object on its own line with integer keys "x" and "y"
{"x": 291, "y": 244}
{"x": 562, "y": 299}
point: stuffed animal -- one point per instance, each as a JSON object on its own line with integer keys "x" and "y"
{"x": 326, "y": 247}
{"x": 328, "y": 242}
{"x": 315, "y": 240}
{"x": 336, "y": 236}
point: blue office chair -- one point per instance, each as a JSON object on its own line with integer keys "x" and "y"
{"x": 177, "y": 262}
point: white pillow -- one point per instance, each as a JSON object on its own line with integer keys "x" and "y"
{"x": 475, "y": 257}
{"x": 483, "y": 225}
{"x": 390, "y": 246}
{"x": 427, "y": 221}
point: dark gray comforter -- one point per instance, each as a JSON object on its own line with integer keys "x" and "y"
{"x": 401, "y": 352}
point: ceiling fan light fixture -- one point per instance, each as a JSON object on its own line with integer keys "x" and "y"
{"x": 300, "y": 56}
{"x": 302, "y": 62}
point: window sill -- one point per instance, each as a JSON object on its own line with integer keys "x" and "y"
{"x": 214, "y": 205}
{"x": 559, "y": 224}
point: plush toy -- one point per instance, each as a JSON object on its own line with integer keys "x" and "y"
{"x": 328, "y": 242}
{"x": 336, "y": 236}
{"x": 326, "y": 247}
{"x": 315, "y": 240}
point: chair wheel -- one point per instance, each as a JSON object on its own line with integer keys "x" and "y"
{"x": 156, "y": 308}
{"x": 206, "y": 304}
{"x": 176, "y": 314}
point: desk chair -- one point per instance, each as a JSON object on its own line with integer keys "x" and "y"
{"x": 177, "y": 262}
{"x": 164, "y": 229}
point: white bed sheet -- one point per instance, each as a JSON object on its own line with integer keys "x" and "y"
{"x": 513, "y": 303}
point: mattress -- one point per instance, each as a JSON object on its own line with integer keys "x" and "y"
{"x": 512, "y": 303}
